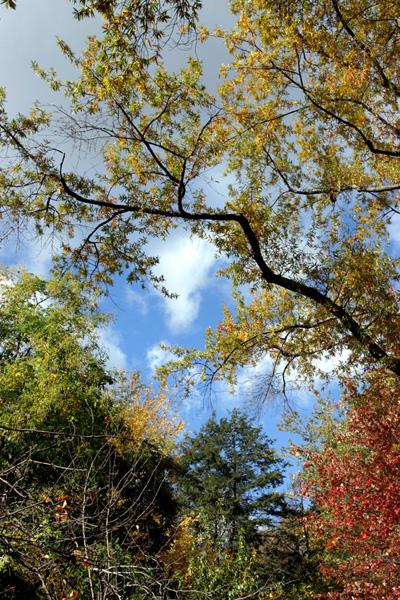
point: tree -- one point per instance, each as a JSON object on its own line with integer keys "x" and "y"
{"x": 305, "y": 128}
{"x": 239, "y": 537}
{"x": 230, "y": 478}
{"x": 226, "y": 486}
{"x": 290, "y": 556}
{"x": 87, "y": 497}
{"x": 9, "y": 4}
{"x": 354, "y": 482}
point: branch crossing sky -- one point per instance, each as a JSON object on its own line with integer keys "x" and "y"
{"x": 144, "y": 318}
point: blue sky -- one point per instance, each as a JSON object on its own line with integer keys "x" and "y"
{"x": 144, "y": 319}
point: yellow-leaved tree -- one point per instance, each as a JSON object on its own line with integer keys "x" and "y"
{"x": 87, "y": 459}
{"x": 304, "y": 134}
{"x": 148, "y": 415}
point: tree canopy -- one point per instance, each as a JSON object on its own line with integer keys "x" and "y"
{"x": 304, "y": 127}
{"x": 86, "y": 464}
{"x": 353, "y": 479}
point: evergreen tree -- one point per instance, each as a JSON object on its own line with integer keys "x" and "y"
{"x": 230, "y": 476}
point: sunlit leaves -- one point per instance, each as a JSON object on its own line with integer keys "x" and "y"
{"x": 9, "y": 4}
{"x": 148, "y": 416}
{"x": 303, "y": 132}
{"x": 354, "y": 480}
{"x": 43, "y": 362}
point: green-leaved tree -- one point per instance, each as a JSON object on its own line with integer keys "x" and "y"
{"x": 86, "y": 497}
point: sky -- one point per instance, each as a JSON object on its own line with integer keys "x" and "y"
{"x": 144, "y": 318}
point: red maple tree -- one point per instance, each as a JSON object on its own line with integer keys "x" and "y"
{"x": 355, "y": 483}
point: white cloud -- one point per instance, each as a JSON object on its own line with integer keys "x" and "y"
{"x": 137, "y": 301}
{"x": 327, "y": 364}
{"x": 34, "y": 255}
{"x": 157, "y": 356}
{"x": 394, "y": 229}
{"x": 111, "y": 341}
{"x": 186, "y": 266}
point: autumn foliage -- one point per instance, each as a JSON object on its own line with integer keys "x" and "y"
{"x": 355, "y": 483}
{"x": 303, "y": 133}
{"x": 86, "y": 464}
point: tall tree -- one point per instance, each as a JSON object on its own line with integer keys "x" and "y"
{"x": 230, "y": 477}
{"x": 87, "y": 497}
{"x": 305, "y": 127}
{"x": 354, "y": 483}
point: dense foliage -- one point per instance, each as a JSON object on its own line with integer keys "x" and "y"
{"x": 87, "y": 500}
{"x": 355, "y": 483}
{"x": 304, "y": 135}
{"x": 231, "y": 477}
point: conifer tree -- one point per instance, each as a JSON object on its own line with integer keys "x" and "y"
{"x": 231, "y": 478}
